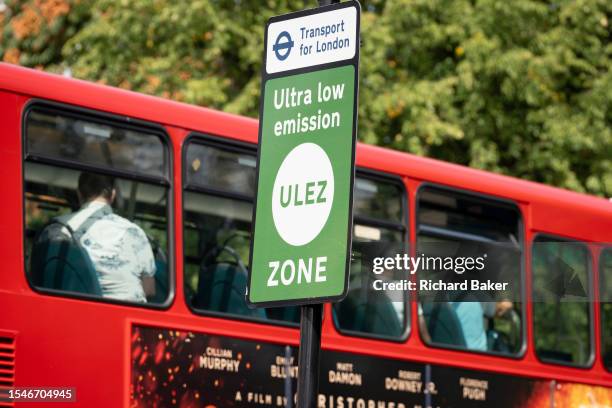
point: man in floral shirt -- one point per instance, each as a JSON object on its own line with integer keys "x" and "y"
{"x": 118, "y": 249}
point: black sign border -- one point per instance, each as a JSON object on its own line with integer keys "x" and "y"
{"x": 354, "y": 62}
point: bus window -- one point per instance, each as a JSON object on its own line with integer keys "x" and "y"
{"x": 458, "y": 225}
{"x": 98, "y": 233}
{"x": 218, "y": 206}
{"x": 605, "y": 284}
{"x": 95, "y": 143}
{"x": 379, "y": 231}
{"x": 561, "y": 312}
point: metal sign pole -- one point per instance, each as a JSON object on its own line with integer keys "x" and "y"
{"x": 311, "y": 324}
{"x": 308, "y": 361}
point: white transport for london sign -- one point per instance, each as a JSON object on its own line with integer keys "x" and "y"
{"x": 307, "y": 41}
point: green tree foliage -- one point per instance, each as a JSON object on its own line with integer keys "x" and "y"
{"x": 33, "y": 32}
{"x": 519, "y": 87}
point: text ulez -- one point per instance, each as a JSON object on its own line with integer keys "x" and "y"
{"x": 297, "y": 195}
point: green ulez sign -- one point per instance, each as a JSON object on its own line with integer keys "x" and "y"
{"x": 300, "y": 252}
{"x": 305, "y": 172}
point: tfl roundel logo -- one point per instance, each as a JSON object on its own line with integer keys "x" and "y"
{"x": 282, "y": 46}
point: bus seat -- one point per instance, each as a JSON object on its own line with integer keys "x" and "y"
{"x": 161, "y": 280}
{"x": 58, "y": 262}
{"x": 221, "y": 288}
{"x": 443, "y": 324}
{"x": 161, "y": 277}
{"x": 371, "y": 313}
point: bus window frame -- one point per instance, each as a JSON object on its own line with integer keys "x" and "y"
{"x": 231, "y": 145}
{"x": 512, "y": 205}
{"x": 605, "y": 251}
{"x": 126, "y": 122}
{"x": 591, "y": 360}
{"x": 402, "y": 226}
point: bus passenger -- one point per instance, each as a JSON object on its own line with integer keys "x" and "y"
{"x": 466, "y": 326}
{"x": 118, "y": 249}
{"x": 470, "y": 315}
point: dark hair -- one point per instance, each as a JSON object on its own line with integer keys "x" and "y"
{"x": 93, "y": 185}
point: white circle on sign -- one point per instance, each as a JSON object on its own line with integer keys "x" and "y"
{"x": 303, "y": 194}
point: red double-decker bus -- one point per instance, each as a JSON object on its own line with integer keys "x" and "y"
{"x": 185, "y": 175}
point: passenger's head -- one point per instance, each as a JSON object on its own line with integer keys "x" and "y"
{"x": 96, "y": 187}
